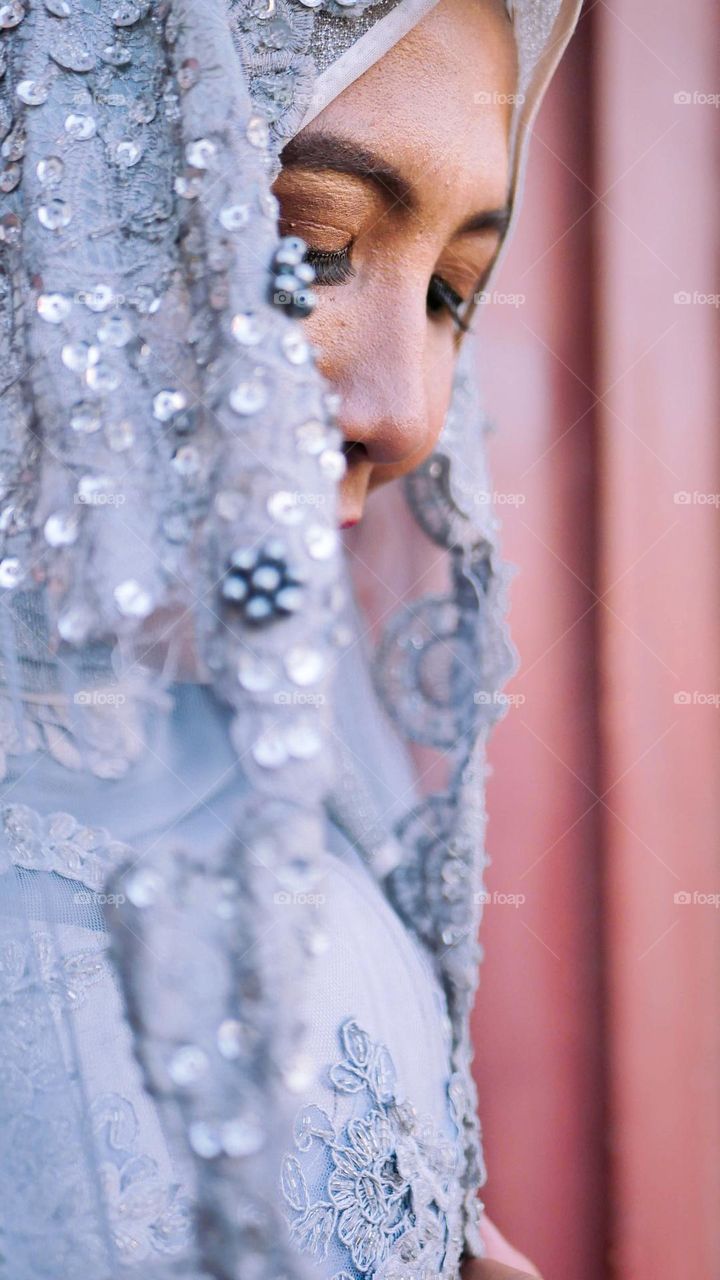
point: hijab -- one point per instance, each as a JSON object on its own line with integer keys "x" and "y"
{"x": 161, "y": 413}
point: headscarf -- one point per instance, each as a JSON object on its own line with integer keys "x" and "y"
{"x": 161, "y": 414}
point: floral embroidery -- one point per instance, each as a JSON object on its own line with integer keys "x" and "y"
{"x": 391, "y": 1197}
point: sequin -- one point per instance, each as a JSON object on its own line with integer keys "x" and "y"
{"x": 257, "y": 132}
{"x": 143, "y": 888}
{"x": 102, "y": 377}
{"x": 255, "y": 674}
{"x": 13, "y": 148}
{"x": 58, "y": 8}
{"x": 230, "y": 1039}
{"x": 53, "y": 307}
{"x": 333, "y": 464}
{"x": 33, "y": 92}
{"x": 311, "y": 436}
{"x": 50, "y": 171}
{"x": 247, "y": 328}
{"x": 321, "y": 541}
{"x": 75, "y": 625}
{"x": 126, "y": 153}
{"x": 295, "y": 348}
{"x": 71, "y": 56}
{"x": 11, "y": 14}
{"x": 188, "y": 185}
{"x": 241, "y": 1138}
{"x": 120, "y": 436}
{"x": 10, "y": 572}
{"x": 303, "y": 665}
{"x": 115, "y": 331}
{"x": 284, "y": 507}
{"x": 61, "y": 530}
{"x": 79, "y": 356}
{"x": 10, "y": 229}
{"x": 234, "y": 217}
{"x": 133, "y": 600}
{"x": 99, "y": 297}
{"x": 143, "y": 109}
{"x": 55, "y": 215}
{"x": 248, "y": 397}
{"x": 269, "y": 750}
{"x": 117, "y": 54}
{"x": 201, "y": 154}
{"x": 10, "y": 177}
{"x": 168, "y": 403}
{"x": 186, "y": 460}
{"x": 85, "y": 418}
{"x": 204, "y": 1140}
{"x": 81, "y": 127}
{"x": 188, "y": 1064}
{"x": 126, "y": 15}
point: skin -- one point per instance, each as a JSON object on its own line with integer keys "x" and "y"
{"x": 430, "y": 200}
{"x": 419, "y": 111}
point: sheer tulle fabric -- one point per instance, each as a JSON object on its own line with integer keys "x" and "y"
{"x": 227, "y": 920}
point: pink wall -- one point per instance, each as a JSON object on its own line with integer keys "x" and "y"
{"x": 598, "y": 1022}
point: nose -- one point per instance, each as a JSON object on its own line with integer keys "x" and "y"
{"x": 388, "y": 399}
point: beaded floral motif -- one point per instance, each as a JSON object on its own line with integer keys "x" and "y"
{"x": 60, "y": 843}
{"x": 389, "y": 1196}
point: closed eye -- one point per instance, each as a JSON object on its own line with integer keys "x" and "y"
{"x": 332, "y": 267}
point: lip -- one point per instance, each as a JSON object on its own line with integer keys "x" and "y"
{"x": 348, "y": 524}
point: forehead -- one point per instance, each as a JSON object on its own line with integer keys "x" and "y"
{"x": 438, "y": 105}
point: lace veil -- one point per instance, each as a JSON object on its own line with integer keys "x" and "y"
{"x": 168, "y": 471}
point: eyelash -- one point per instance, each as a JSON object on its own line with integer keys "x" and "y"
{"x": 333, "y": 268}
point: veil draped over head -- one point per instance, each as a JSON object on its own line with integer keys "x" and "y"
{"x": 173, "y": 611}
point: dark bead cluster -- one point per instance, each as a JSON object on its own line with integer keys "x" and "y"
{"x": 292, "y": 277}
{"x": 261, "y": 584}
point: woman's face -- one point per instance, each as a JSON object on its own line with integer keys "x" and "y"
{"x": 399, "y": 187}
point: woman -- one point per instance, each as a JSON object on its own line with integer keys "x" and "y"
{"x": 278, "y": 1034}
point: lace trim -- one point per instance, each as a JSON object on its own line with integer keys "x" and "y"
{"x": 391, "y": 1199}
{"x": 60, "y": 843}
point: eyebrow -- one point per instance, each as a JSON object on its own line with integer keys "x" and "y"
{"x": 320, "y": 151}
